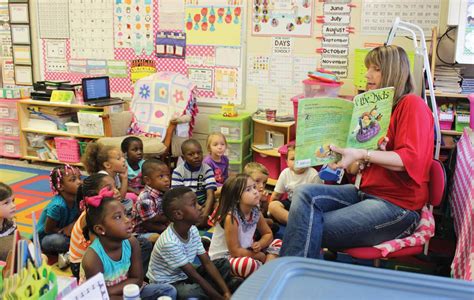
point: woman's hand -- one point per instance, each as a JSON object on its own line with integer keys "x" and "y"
{"x": 383, "y": 143}
{"x": 349, "y": 156}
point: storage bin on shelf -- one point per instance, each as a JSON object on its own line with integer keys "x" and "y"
{"x": 234, "y": 128}
{"x": 315, "y": 88}
{"x": 318, "y": 88}
{"x": 67, "y": 149}
{"x": 9, "y": 128}
{"x": 8, "y": 109}
{"x": 10, "y": 146}
{"x": 462, "y": 116}
{"x": 238, "y": 167}
{"x": 82, "y": 147}
{"x": 237, "y": 151}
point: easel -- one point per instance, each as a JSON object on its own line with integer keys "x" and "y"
{"x": 420, "y": 50}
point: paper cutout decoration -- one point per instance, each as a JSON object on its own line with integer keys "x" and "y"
{"x": 226, "y": 83}
{"x": 170, "y": 44}
{"x": 141, "y": 68}
{"x": 282, "y": 18}
{"x": 133, "y": 25}
{"x": 204, "y": 27}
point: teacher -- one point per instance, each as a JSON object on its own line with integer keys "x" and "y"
{"x": 394, "y": 184}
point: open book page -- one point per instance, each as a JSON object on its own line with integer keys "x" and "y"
{"x": 332, "y": 121}
{"x": 370, "y": 118}
{"x": 321, "y": 122}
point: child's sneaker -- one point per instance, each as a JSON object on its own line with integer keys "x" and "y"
{"x": 63, "y": 260}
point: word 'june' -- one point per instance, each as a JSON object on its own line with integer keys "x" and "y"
{"x": 372, "y": 98}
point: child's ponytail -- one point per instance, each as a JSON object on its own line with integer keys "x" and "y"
{"x": 90, "y": 186}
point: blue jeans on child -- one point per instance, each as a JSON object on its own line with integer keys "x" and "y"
{"x": 339, "y": 217}
{"x": 55, "y": 243}
{"x": 154, "y": 290}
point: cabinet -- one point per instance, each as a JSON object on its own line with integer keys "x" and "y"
{"x": 449, "y": 137}
{"x": 270, "y": 158}
{"x": 28, "y": 152}
{"x": 238, "y": 133}
{"x": 9, "y": 128}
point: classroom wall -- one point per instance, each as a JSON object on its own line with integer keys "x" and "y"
{"x": 307, "y": 46}
{"x": 263, "y": 46}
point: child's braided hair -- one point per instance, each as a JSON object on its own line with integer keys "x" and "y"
{"x": 56, "y": 176}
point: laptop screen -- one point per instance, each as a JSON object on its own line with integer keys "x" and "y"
{"x": 95, "y": 88}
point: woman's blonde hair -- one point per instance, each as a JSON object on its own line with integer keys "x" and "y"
{"x": 213, "y": 135}
{"x": 395, "y": 68}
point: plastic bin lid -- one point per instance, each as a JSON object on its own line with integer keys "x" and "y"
{"x": 304, "y": 278}
{"x": 319, "y": 82}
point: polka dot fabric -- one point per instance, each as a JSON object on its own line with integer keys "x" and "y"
{"x": 124, "y": 85}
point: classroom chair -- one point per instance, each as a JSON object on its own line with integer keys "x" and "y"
{"x": 437, "y": 186}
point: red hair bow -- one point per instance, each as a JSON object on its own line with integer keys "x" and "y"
{"x": 96, "y": 200}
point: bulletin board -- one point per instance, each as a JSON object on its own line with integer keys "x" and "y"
{"x": 340, "y": 38}
{"x": 201, "y": 39}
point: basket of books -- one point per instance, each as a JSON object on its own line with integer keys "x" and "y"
{"x": 67, "y": 149}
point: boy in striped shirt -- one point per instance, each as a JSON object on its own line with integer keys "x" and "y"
{"x": 177, "y": 247}
{"x": 198, "y": 176}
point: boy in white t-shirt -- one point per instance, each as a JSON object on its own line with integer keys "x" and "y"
{"x": 288, "y": 180}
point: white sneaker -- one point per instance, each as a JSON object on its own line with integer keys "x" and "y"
{"x": 63, "y": 260}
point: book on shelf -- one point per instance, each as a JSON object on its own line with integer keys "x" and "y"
{"x": 335, "y": 121}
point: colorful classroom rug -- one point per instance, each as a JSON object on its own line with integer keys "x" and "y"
{"x": 31, "y": 190}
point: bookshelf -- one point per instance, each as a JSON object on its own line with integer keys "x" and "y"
{"x": 25, "y": 106}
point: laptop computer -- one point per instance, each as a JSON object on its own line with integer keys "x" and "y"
{"x": 96, "y": 92}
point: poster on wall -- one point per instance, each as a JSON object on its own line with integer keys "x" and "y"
{"x": 465, "y": 44}
{"x": 170, "y": 44}
{"x": 213, "y": 25}
{"x": 282, "y": 18}
{"x": 133, "y": 25}
{"x": 91, "y": 30}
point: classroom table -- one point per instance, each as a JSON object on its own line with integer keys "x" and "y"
{"x": 462, "y": 207}
{"x": 306, "y": 278}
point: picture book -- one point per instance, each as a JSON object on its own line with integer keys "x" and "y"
{"x": 348, "y": 124}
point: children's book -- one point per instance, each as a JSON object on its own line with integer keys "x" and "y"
{"x": 347, "y": 124}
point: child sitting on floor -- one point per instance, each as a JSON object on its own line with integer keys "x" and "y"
{"x": 7, "y": 224}
{"x": 150, "y": 219}
{"x": 7, "y": 211}
{"x": 198, "y": 176}
{"x": 288, "y": 180}
{"x": 259, "y": 173}
{"x": 237, "y": 219}
{"x": 57, "y": 219}
{"x": 109, "y": 160}
{"x": 216, "y": 159}
{"x": 115, "y": 252}
{"x": 177, "y": 247}
{"x": 91, "y": 186}
{"x": 132, "y": 148}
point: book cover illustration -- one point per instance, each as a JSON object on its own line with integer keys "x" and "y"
{"x": 334, "y": 121}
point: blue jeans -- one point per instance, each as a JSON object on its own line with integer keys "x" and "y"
{"x": 339, "y": 217}
{"x": 55, "y": 243}
{"x": 154, "y": 290}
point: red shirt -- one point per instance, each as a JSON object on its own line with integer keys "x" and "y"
{"x": 411, "y": 136}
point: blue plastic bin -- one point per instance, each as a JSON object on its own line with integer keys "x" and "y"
{"x": 303, "y": 278}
